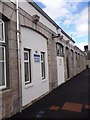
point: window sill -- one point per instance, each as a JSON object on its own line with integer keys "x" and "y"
{"x": 44, "y": 80}
{"x": 3, "y": 88}
{"x": 28, "y": 85}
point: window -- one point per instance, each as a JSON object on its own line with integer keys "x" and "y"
{"x": 67, "y": 52}
{"x": 59, "y": 49}
{"x": 2, "y": 56}
{"x": 76, "y": 60}
{"x": 2, "y": 38}
{"x": 43, "y": 64}
{"x": 72, "y": 58}
{"x": 27, "y": 66}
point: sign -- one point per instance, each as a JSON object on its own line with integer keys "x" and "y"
{"x": 36, "y": 58}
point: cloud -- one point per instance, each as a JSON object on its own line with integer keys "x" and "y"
{"x": 63, "y": 12}
{"x": 81, "y": 24}
{"x": 58, "y": 8}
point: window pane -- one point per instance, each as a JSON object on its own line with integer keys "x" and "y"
{"x": 1, "y": 53}
{"x": 1, "y": 32}
{"x": 2, "y": 74}
{"x": 25, "y": 55}
{"x": 26, "y": 68}
{"x": 42, "y": 68}
{"x": 43, "y": 71}
{"x": 59, "y": 49}
{"x": 41, "y": 56}
{"x": 43, "y": 65}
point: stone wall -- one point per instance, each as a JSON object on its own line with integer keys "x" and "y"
{"x": 10, "y": 96}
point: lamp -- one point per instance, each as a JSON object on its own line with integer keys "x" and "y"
{"x": 58, "y": 34}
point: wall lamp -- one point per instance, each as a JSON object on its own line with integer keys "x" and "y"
{"x": 58, "y": 34}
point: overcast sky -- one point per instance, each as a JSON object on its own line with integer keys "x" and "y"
{"x": 69, "y": 15}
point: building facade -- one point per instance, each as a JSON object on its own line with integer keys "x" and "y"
{"x": 32, "y": 61}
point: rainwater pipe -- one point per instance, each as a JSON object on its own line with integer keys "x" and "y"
{"x": 19, "y": 55}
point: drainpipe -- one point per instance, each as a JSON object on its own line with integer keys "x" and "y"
{"x": 19, "y": 56}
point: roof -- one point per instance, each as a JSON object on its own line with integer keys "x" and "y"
{"x": 49, "y": 19}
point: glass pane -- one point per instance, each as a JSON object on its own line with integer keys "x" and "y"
{"x": 1, "y": 53}
{"x": 26, "y": 72}
{"x": 1, "y": 32}
{"x": 43, "y": 64}
{"x": 2, "y": 74}
{"x": 41, "y": 57}
{"x": 25, "y": 55}
{"x": 42, "y": 69}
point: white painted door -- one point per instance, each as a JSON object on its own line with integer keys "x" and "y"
{"x": 60, "y": 70}
{"x": 36, "y": 44}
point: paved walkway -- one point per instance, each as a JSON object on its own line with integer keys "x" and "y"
{"x": 70, "y": 100}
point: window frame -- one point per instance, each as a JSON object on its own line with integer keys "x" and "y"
{"x": 3, "y": 45}
{"x": 29, "y": 66}
{"x": 3, "y": 39}
{"x": 43, "y": 63}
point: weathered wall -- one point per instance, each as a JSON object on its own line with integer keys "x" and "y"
{"x": 10, "y": 98}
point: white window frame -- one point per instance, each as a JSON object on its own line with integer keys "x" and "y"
{"x": 29, "y": 66}
{"x": 43, "y": 62}
{"x": 4, "y": 86}
{"x": 3, "y": 39}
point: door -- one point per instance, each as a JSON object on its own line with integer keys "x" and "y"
{"x": 35, "y": 82}
{"x": 60, "y": 70}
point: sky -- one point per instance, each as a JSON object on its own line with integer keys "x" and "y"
{"x": 71, "y": 16}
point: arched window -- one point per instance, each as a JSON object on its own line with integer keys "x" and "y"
{"x": 59, "y": 49}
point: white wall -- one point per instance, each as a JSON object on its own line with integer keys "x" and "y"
{"x": 35, "y": 42}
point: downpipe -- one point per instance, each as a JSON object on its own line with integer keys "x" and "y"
{"x": 19, "y": 55}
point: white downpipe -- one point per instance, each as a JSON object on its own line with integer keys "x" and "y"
{"x": 19, "y": 56}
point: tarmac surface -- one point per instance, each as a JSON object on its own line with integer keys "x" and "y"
{"x": 69, "y": 100}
